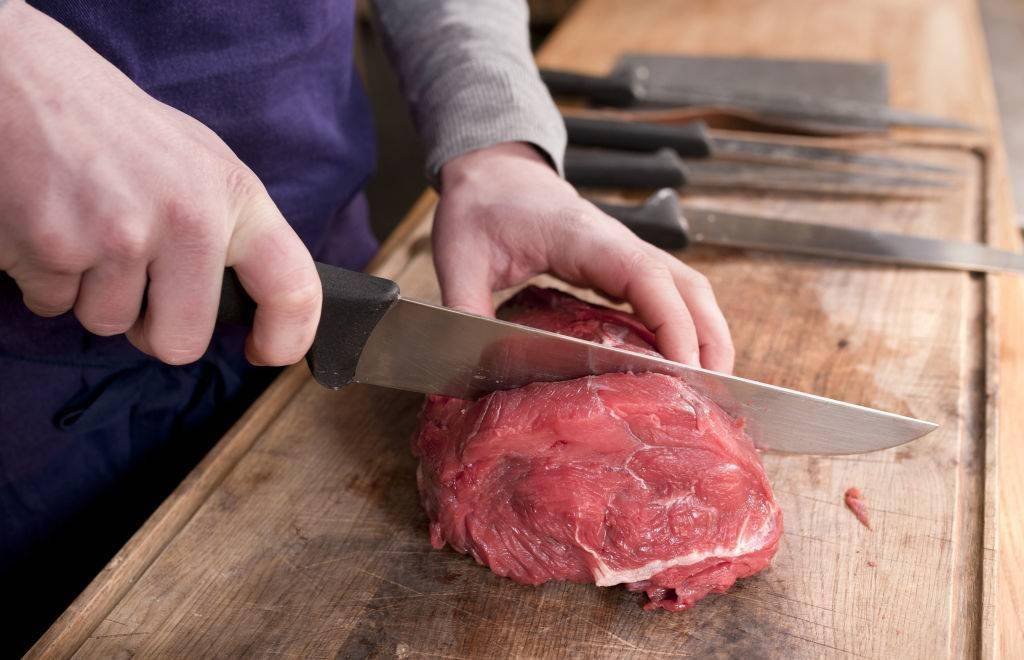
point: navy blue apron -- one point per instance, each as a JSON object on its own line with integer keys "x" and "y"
{"x": 92, "y": 432}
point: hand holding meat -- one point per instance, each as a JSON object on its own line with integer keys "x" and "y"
{"x": 505, "y": 216}
{"x": 104, "y": 190}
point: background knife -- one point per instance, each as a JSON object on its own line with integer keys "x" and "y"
{"x": 694, "y": 140}
{"x": 661, "y": 221}
{"x": 614, "y": 168}
{"x": 368, "y": 333}
{"x": 628, "y": 91}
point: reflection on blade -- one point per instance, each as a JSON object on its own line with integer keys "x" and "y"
{"x": 736, "y": 174}
{"x": 430, "y": 349}
{"x": 755, "y": 232}
{"x": 779, "y": 152}
{"x": 797, "y": 106}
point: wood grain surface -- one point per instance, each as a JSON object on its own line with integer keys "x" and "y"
{"x": 302, "y": 535}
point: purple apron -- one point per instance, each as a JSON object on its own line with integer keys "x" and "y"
{"x": 93, "y": 434}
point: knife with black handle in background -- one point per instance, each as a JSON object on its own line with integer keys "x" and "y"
{"x": 617, "y": 168}
{"x": 662, "y": 221}
{"x": 369, "y": 333}
{"x": 694, "y": 139}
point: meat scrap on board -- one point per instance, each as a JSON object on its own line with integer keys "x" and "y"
{"x": 855, "y": 504}
{"x": 634, "y": 479}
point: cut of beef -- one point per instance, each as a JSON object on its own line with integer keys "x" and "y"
{"x": 634, "y": 479}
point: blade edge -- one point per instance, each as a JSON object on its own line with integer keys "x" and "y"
{"x": 777, "y": 418}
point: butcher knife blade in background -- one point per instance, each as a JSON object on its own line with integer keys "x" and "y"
{"x": 616, "y": 168}
{"x": 694, "y": 139}
{"x": 633, "y": 90}
{"x": 369, "y": 333}
{"x": 661, "y": 221}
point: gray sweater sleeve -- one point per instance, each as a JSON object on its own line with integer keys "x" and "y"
{"x": 467, "y": 71}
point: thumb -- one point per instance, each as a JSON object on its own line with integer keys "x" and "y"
{"x": 465, "y": 278}
{"x": 277, "y": 271}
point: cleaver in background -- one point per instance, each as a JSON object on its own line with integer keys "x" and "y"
{"x": 791, "y": 94}
{"x": 866, "y": 82}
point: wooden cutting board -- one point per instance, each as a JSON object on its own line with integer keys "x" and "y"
{"x": 301, "y": 533}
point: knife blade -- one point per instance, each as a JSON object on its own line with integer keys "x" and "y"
{"x": 662, "y": 221}
{"x": 613, "y": 168}
{"x": 634, "y": 90}
{"x": 694, "y": 139}
{"x": 369, "y": 334}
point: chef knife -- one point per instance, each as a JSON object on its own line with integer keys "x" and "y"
{"x": 694, "y": 140}
{"x": 369, "y": 333}
{"x": 615, "y": 168}
{"x": 620, "y": 91}
{"x": 661, "y": 221}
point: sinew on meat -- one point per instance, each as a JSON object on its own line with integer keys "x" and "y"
{"x": 634, "y": 479}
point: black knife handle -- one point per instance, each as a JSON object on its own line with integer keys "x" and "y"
{"x": 690, "y": 140}
{"x": 353, "y": 305}
{"x": 600, "y": 90}
{"x": 608, "y": 168}
{"x": 658, "y": 220}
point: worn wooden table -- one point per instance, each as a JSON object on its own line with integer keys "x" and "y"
{"x": 301, "y": 533}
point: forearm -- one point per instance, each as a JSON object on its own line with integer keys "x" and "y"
{"x": 468, "y": 73}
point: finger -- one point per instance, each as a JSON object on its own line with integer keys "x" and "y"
{"x": 183, "y": 291}
{"x": 713, "y": 337}
{"x": 47, "y": 293}
{"x": 110, "y": 297}
{"x": 626, "y": 269}
{"x": 463, "y": 271}
{"x": 277, "y": 271}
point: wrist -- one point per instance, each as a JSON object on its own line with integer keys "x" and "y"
{"x": 481, "y": 164}
{"x": 26, "y": 43}
{"x": 13, "y": 14}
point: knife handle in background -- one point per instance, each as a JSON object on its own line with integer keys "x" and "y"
{"x": 690, "y": 140}
{"x": 609, "y": 168}
{"x": 599, "y": 90}
{"x": 353, "y": 305}
{"x": 657, "y": 220}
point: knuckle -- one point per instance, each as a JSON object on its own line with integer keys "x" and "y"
{"x": 578, "y": 220}
{"x": 47, "y": 307}
{"x": 186, "y": 221}
{"x": 301, "y": 297}
{"x": 639, "y": 263}
{"x": 126, "y": 243}
{"x": 241, "y": 183}
{"x": 55, "y": 251}
{"x": 698, "y": 280}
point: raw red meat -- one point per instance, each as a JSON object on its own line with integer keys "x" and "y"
{"x": 855, "y": 504}
{"x": 613, "y": 479}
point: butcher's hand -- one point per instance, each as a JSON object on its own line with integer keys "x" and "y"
{"x": 103, "y": 190}
{"x": 505, "y": 215}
